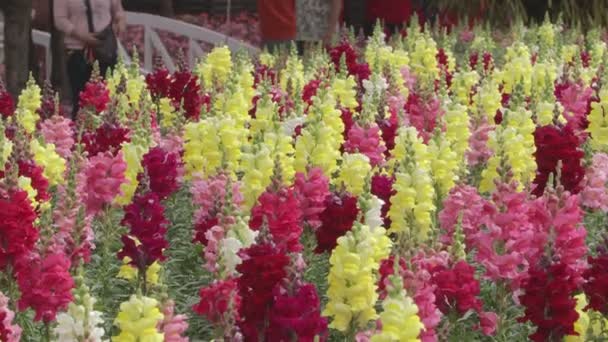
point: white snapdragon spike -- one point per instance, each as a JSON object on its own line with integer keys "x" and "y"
{"x": 80, "y": 323}
{"x": 373, "y": 216}
{"x": 229, "y": 248}
{"x": 289, "y": 126}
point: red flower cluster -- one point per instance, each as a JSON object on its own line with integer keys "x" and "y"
{"x": 348, "y": 121}
{"x": 158, "y": 83}
{"x": 17, "y": 232}
{"x": 161, "y": 170}
{"x": 486, "y": 59}
{"x": 185, "y": 87}
{"x": 106, "y": 138}
{"x": 281, "y": 211}
{"x": 262, "y": 269}
{"x": 217, "y": 300}
{"x": 456, "y": 287}
{"x": 423, "y": 114}
{"x": 338, "y": 218}
{"x": 310, "y": 90}
{"x": 360, "y": 70}
{"x": 45, "y": 284}
{"x": 596, "y": 283}
{"x": 263, "y": 72}
{"x": 202, "y": 226}
{"x": 95, "y": 96}
{"x": 554, "y": 144}
{"x": 7, "y": 104}
{"x": 145, "y": 217}
{"x": 442, "y": 60}
{"x": 28, "y": 168}
{"x": 297, "y": 316}
{"x": 388, "y": 127}
{"x": 312, "y": 190}
{"x": 549, "y": 302}
{"x": 382, "y": 187}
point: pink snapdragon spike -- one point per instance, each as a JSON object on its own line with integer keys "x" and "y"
{"x": 366, "y": 140}
{"x": 594, "y": 194}
{"x": 58, "y": 130}
{"x": 9, "y": 332}
{"x": 101, "y": 179}
{"x": 173, "y": 326}
{"x": 478, "y": 152}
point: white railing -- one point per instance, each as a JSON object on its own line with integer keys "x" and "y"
{"x": 152, "y": 41}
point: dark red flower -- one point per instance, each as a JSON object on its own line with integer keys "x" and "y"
{"x": 312, "y": 189}
{"x": 387, "y": 269}
{"x": 45, "y": 285}
{"x": 262, "y": 269}
{"x": 5, "y": 331}
{"x": 310, "y": 90}
{"x": 263, "y": 72}
{"x": 382, "y": 187}
{"x": 360, "y": 70}
{"x": 549, "y": 302}
{"x": 17, "y": 232}
{"x": 161, "y": 171}
{"x": 219, "y": 299}
{"x": 106, "y": 138}
{"x": 297, "y": 316}
{"x": 281, "y": 212}
{"x": 158, "y": 83}
{"x": 95, "y": 96}
{"x": 585, "y": 58}
{"x": 555, "y": 144}
{"x": 185, "y": 93}
{"x": 456, "y": 288}
{"x": 596, "y": 283}
{"x": 338, "y": 218}
{"x": 201, "y": 228}
{"x": 347, "y": 120}
{"x": 28, "y": 168}
{"x": 145, "y": 217}
{"x": 7, "y": 104}
{"x": 389, "y": 127}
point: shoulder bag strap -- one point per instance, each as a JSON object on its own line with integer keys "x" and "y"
{"x": 89, "y": 10}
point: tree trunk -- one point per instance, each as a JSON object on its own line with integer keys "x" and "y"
{"x": 17, "y": 21}
{"x": 58, "y": 69}
{"x": 166, "y": 8}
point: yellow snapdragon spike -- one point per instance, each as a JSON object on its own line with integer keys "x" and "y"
{"x": 423, "y": 60}
{"x": 168, "y": 116}
{"x": 291, "y": 78}
{"x": 344, "y": 91}
{"x": 133, "y": 155}
{"x": 400, "y": 321}
{"x": 319, "y": 144}
{"x": 444, "y": 165}
{"x": 29, "y": 101}
{"x": 457, "y": 130}
{"x": 352, "y": 281}
{"x": 582, "y": 325}
{"x": 354, "y": 172}
{"x": 412, "y": 204}
{"x": 257, "y": 166}
{"x": 598, "y": 123}
{"x": 52, "y": 163}
{"x": 130, "y": 272}
{"x": 216, "y": 67}
{"x": 138, "y": 319}
{"x": 25, "y": 184}
{"x": 462, "y": 84}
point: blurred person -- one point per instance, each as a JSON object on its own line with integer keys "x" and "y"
{"x": 317, "y": 20}
{"x": 90, "y": 28}
{"x": 277, "y": 23}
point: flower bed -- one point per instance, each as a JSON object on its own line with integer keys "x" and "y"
{"x": 429, "y": 187}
